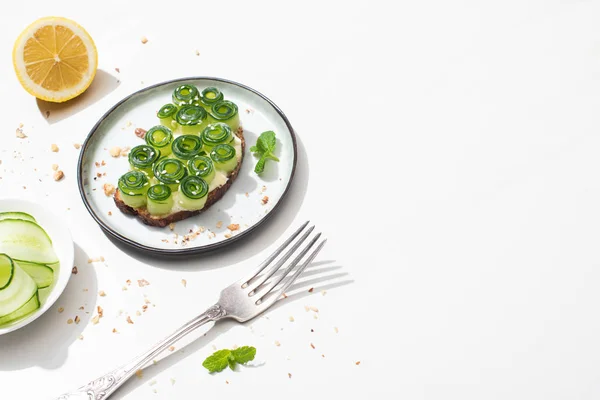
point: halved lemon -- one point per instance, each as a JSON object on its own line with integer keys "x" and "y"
{"x": 55, "y": 59}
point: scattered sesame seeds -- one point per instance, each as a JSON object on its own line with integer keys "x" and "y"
{"x": 54, "y": 148}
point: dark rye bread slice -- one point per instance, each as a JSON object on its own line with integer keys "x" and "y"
{"x": 164, "y": 220}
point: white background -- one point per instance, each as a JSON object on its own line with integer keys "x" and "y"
{"x": 449, "y": 151}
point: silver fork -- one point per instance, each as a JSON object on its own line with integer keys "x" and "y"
{"x": 242, "y": 301}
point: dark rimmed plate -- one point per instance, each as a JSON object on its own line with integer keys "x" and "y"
{"x": 244, "y": 204}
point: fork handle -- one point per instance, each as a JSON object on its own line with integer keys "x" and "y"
{"x": 102, "y": 387}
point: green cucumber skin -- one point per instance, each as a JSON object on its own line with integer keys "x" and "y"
{"x": 41, "y": 274}
{"x": 40, "y": 249}
{"x": 32, "y": 305}
{"x": 12, "y": 271}
{"x": 17, "y": 293}
{"x": 17, "y": 215}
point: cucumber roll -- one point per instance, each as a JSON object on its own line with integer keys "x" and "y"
{"x": 223, "y": 156}
{"x": 143, "y": 157}
{"x": 133, "y": 187}
{"x": 185, "y": 94}
{"x": 186, "y": 147}
{"x": 160, "y": 137}
{"x": 210, "y": 96}
{"x": 193, "y": 193}
{"x": 170, "y": 171}
{"x": 160, "y": 199}
{"x": 166, "y": 114}
{"x": 202, "y": 167}
{"x": 214, "y": 134}
{"x": 191, "y": 119}
{"x": 227, "y": 112}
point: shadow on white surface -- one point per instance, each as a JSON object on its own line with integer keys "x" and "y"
{"x": 198, "y": 341}
{"x": 103, "y": 84}
{"x": 45, "y": 342}
{"x": 270, "y": 231}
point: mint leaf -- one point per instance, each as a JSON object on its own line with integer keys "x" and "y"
{"x": 218, "y": 361}
{"x": 244, "y": 354}
{"x": 260, "y": 165}
{"x": 231, "y": 361}
{"x": 264, "y": 150}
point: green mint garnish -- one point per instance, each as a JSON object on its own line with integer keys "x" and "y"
{"x": 221, "y": 359}
{"x": 264, "y": 150}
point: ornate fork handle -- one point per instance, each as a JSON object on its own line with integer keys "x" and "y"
{"x": 103, "y": 387}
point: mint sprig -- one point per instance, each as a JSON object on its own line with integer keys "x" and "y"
{"x": 264, "y": 149}
{"x": 220, "y": 359}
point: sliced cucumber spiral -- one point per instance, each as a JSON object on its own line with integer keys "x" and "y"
{"x": 143, "y": 157}
{"x": 170, "y": 171}
{"x": 223, "y": 155}
{"x": 160, "y": 199}
{"x": 210, "y": 96}
{"x": 191, "y": 119}
{"x": 202, "y": 167}
{"x": 214, "y": 134}
{"x": 187, "y": 146}
{"x": 193, "y": 193}
{"x": 133, "y": 187}
{"x": 160, "y": 137}
{"x": 185, "y": 94}
{"x": 166, "y": 114}
{"x": 226, "y": 111}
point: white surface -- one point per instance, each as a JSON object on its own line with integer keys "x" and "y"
{"x": 473, "y": 263}
{"x": 242, "y": 204}
{"x": 63, "y": 247}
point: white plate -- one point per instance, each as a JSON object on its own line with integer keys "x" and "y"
{"x": 63, "y": 246}
{"x": 242, "y": 204}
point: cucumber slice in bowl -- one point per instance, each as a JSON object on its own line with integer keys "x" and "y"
{"x": 20, "y": 290}
{"x": 7, "y": 270}
{"x": 42, "y": 274}
{"x": 32, "y": 305}
{"x": 17, "y": 215}
{"x": 27, "y": 241}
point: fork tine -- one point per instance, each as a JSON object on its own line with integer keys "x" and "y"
{"x": 270, "y": 259}
{"x": 264, "y": 291}
{"x": 276, "y": 295}
{"x": 263, "y": 278}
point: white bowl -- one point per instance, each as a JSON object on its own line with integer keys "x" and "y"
{"x": 63, "y": 246}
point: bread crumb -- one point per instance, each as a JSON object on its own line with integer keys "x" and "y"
{"x": 313, "y": 308}
{"x": 54, "y": 148}
{"x": 137, "y": 313}
{"x": 20, "y": 133}
{"x": 312, "y": 345}
{"x": 233, "y": 227}
{"x": 139, "y": 373}
{"x": 96, "y": 319}
{"x": 184, "y": 282}
{"x": 60, "y": 309}
{"x": 115, "y": 151}
{"x": 289, "y": 375}
{"x": 101, "y": 293}
{"x": 311, "y": 290}
{"x": 77, "y": 319}
{"x": 263, "y": 189}
{"x": 219, "y": 224}
{"x": 227, "y": 235}
{"x": 80, "y": 337}
{"x": 277, "y": 343}
{"x": 58, "y": 175}
{"x": 197, "y": 53}
{"x": 144, "y": 40}
{"x": 172, "y": 348}
{"x": 109, "y": 213}
{"x": 357, "y": 363}
{"x": 291, "y": 319}
{"x": 96, "y": 259}
{"x": 129, "y": 321}
{"x": 128, "y": 282}
{"x": 115, "y": 330}
{"x": 265, "y": 200}
{"x": 77, "y": 146}
{"x": 100, "y": 311}
{"x": 69, "y": 321}
{"x": 172, "y": 226}
{"x": 74, "y": 270}
{"x": 54, "y": 167}
{"x": 109, "y": 189}
{"x": 336, "y": 329}
{"x": 172, "y": 381}
{"x": 143, "y": 282}
{"x": 323, "y": 292}
{"x": 247, "y": 195}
